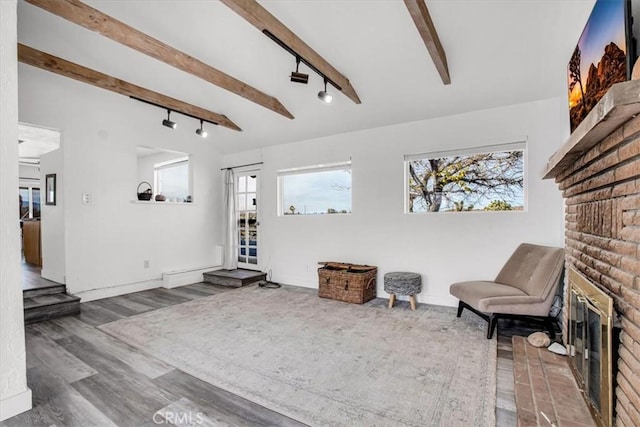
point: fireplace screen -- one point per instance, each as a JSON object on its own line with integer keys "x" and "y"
{"x": 589, "y": 343}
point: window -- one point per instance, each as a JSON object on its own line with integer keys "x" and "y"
{"x": 168, "y": 173}
{"x": 35, "y": 202}
{"x": 172, "y": 179}
{"x": 484, "y": 179}
{"x": 29, "y": 202}
{"x": 316, "y": 190}
{"x": 247, "y": 213}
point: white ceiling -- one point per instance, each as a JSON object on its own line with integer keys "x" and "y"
{"x": 34, "y": 141}
{"x": 500, "y": 52}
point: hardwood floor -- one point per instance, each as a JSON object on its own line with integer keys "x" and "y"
{"x": 83, "y": 377}
{"x": 31, "y": 278}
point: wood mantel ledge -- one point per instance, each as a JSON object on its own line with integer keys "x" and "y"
{"x": 620, "y": 104}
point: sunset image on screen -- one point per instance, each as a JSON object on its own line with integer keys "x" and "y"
{"x": 599, "y": 60}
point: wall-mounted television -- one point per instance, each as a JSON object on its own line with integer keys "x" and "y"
{"x": 604, "y": 55}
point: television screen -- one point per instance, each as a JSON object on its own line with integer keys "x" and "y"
{"x": 600, "y": 59}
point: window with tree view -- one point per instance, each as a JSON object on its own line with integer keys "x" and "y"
{"x": 455, "y": 181}
{"x": 324, "y": 189}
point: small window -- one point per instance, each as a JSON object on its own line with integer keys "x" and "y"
{"x": 172, "y": 180}
{"x": 489, "y": 179}
{"x": 316, "y": 190}
{"x": 29, "y": 202}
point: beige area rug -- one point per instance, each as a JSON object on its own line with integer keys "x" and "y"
{"x": 328, "y": 363}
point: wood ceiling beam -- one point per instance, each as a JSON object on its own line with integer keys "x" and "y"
{"x": 30, "y": 56}
{"x": 94, "y": 20}
{"x": 420, "y": 14}
{"x": 260, "y": 18}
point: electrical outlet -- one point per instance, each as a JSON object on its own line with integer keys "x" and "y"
{"x": 146, "y": 263}
{"x": 86, "y": 199}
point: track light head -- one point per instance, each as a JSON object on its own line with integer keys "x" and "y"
{"x": 201, "y": 132}
{"x": 325, "y": 96}
{"x": 168, "y": 123}
{"x": 297, "y": 77}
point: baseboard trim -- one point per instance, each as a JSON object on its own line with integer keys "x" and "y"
{"x": 114, "y": 291}
{"x": 14, "y": 405}
{"x": 172, "y": 279}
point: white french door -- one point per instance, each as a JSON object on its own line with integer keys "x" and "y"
{"x": 247, "y": 219}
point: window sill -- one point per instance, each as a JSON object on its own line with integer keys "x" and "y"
{"x": 153, "y": 202}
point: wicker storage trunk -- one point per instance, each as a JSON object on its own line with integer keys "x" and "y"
{"x": 347, "y": 282}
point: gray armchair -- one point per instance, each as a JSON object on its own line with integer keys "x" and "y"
{"x": 525, "y": 287}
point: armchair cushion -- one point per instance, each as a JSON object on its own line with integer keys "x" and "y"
{"x": 533, "y": 269}
{"x": 481, "y": 294}
{"x": 525, "y": 286}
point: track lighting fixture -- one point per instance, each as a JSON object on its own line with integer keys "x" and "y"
{"x": 171, "y": 124}
{"x": 168, "y": 123}
{"x": 325, "y": 96}
{"x": 297, "y": 77}
{"x": 201, "y": 132}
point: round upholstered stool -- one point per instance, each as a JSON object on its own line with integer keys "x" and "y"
{"x": 402, "y": 283}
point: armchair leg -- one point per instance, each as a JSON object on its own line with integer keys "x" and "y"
{"x": 460, "y": 308}
{"x": 493, "y": 322}
{"x": 548, "y": 324}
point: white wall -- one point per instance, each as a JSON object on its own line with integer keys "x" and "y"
{"x": 29, "y": 176}
{"x": 444, "y": 247}
{"x": 106, "y": 242}
{"x": 52, "y": 223}
{"x": 15, "y": 397}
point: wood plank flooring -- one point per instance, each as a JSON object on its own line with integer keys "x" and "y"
{"x": 31, "y": 278}
{"x": 81, "y": 376}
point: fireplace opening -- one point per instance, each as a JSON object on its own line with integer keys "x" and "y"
{"x": 592, "y": 344}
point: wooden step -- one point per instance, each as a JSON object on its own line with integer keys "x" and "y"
{"x": 55, "y": 288}
{"x": 46, "y": 307}
{"x": 234, "y": 278}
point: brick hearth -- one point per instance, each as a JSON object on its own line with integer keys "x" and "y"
{"x": 600, "y": 181}
{"x": 546, "y": 391}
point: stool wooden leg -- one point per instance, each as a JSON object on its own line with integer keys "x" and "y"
{"x": 412, "y": 301}
{"x": 392, "y": 299}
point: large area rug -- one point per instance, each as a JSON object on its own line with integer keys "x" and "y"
{"x": 328, "y": 363}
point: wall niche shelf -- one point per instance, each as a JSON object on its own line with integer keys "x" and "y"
{"x": 153, "y": 202}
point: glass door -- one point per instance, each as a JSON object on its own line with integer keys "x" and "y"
{"x": 247, "y": 224}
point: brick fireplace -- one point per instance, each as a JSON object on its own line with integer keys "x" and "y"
{"x": 598, "y": 172}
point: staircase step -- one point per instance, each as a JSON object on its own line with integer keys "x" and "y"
{"x": 52, "y": 306}
{"x": 44, "y": 290}
{"x": 234, "y": 278}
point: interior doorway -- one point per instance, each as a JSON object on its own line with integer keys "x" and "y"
{"x": 246, "y": 189}
{"x": 33, "y": 143}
